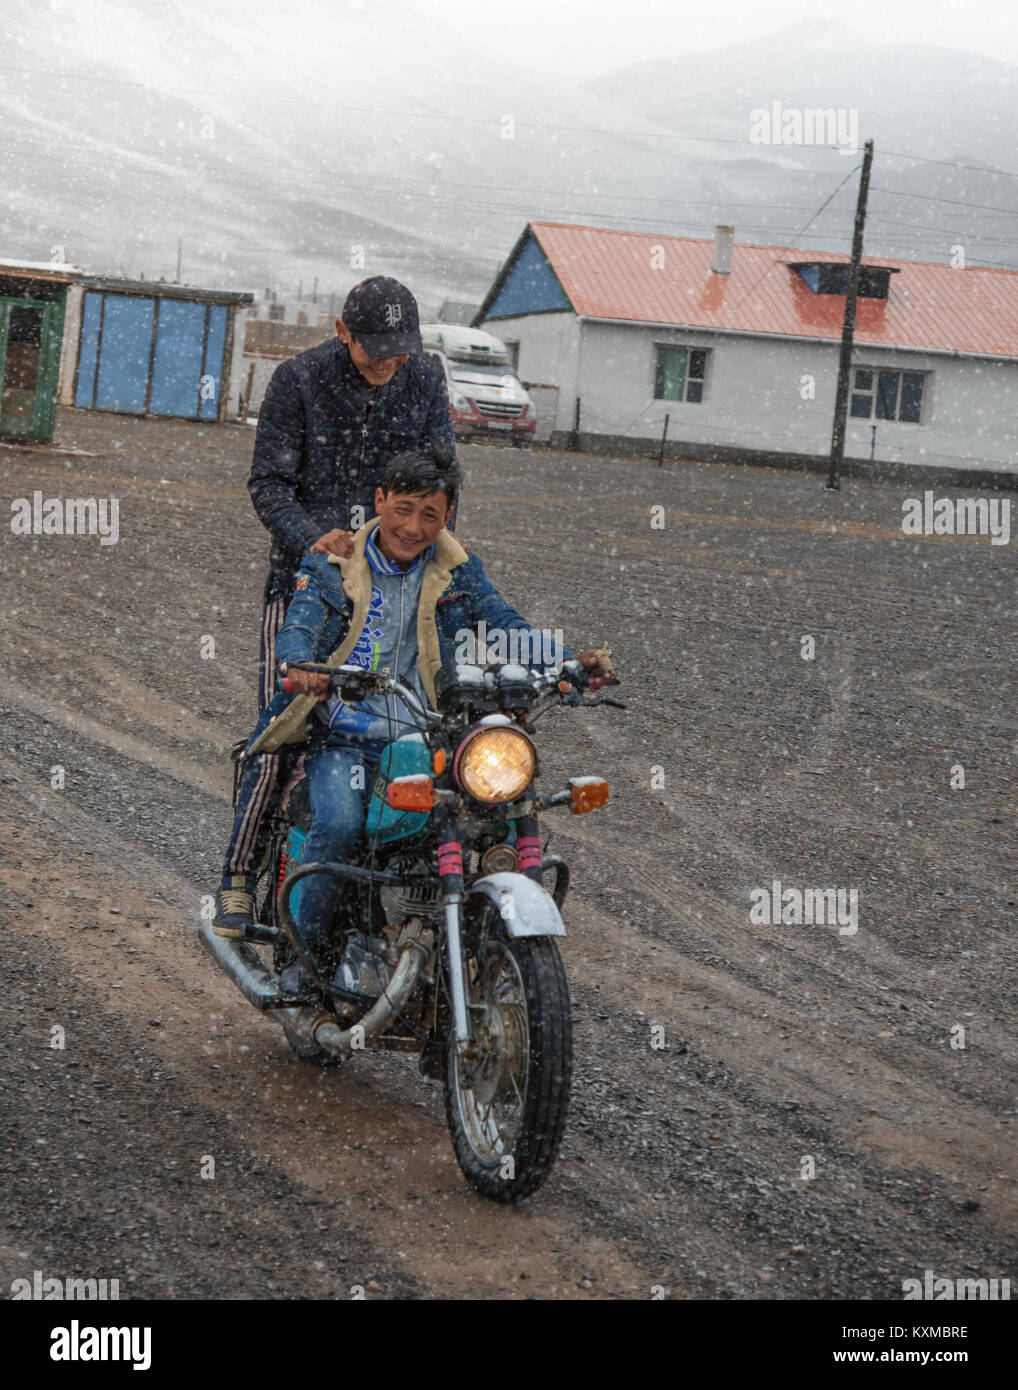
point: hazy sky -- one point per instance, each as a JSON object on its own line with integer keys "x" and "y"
{"x": 593, "y": 36}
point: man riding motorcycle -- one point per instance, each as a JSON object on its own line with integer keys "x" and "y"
{"x": 331, "y": 420}
{"x": 404, "y": 600}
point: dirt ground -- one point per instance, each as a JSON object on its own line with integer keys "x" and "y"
{"x": 830, "y": 1112}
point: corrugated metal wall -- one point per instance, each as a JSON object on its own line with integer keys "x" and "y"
{"x": 150, "y": 355}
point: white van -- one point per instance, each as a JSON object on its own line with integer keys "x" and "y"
{"x": 486, "y": 397}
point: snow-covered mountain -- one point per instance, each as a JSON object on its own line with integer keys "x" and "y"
{"x": 943, "y": 104}
{"x": 276, "y": 143}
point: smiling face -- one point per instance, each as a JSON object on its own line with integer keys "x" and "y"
{"x": 408, "y": 522}
{"x": 376, "y": 370}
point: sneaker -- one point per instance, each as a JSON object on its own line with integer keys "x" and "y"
{"x": 234, "y": 908}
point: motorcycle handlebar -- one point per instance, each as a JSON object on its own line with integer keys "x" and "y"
{"x": 571, "y": 678}
{"x": 341, "y": 675}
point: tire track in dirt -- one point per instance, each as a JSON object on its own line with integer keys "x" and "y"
{"x": 625, "y": 978}
{"x": 683, "y": 1160}
{"x": 458, "y": 1243}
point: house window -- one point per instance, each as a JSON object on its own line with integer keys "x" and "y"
{"x": 872, "y": 282}
{"x": 832, "y": 278}
{"x": 887, "y": 395}
{"x": 679, "y": 373}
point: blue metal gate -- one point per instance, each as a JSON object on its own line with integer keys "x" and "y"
{"x": 150, "y": 355}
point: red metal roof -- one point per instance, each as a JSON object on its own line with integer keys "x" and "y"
{"x": 609, "y": 274}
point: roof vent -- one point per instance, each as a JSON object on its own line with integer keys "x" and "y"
{"x": 723, "y": 239}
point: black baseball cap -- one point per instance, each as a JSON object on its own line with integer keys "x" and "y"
{"x": 382, "y": 315}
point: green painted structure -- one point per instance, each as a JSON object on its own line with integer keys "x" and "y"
{"x": 32, "y": 301}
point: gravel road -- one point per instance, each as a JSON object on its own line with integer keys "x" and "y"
{"x": 760, "y": 1111}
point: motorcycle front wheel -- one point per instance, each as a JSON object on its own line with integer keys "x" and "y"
{"x": 506, "y": 1098}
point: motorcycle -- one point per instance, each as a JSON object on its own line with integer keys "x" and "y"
{"x": 445, "y": 937}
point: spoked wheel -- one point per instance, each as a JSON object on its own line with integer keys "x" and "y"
{"x": 506, "y": 1099}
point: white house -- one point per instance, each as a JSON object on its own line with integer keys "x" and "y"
{"x": 738, "y": 346}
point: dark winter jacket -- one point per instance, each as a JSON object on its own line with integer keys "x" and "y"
{"x": 324, "y": 440}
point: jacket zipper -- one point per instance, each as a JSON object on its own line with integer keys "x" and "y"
{"x": 399, "y": 639}
{"x": 364, "y": 433}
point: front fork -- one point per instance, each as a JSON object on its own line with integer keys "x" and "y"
{"x": 450, "y": 873}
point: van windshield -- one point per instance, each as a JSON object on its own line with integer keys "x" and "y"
{"x": 481, "y": 372}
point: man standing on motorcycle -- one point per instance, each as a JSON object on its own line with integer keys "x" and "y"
{"x": 331, "y": 420}
{"x": 403, "y": 600}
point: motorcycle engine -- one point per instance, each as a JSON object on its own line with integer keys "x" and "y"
{"x": 409, "y": 900}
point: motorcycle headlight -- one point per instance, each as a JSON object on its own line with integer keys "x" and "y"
{"x": 495, "y": 765}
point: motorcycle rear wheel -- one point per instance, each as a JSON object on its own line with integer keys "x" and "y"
{"x": 506, "y": 1105}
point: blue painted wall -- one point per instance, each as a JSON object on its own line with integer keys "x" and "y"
{"x": 177, "y": 365}
{"x": 186, "y": 368}
{"x": 212, "y": 371}
{"x": 530, "y": 286}
{"x": 124, "y": 353}
{"x": 91, "y": 310}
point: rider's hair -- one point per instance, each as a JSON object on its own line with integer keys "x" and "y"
{"x": 423, "y": 470}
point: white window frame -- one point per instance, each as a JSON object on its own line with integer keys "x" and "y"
{"x": 872, "y": 417}
{"x": 687, "y": 348}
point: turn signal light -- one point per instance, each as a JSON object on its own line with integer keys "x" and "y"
{"x": 438, "y": 762}
{"x": 588, "y": 793}
{"x": 416, "y": 793}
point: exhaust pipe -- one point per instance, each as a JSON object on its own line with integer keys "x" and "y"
{"x": 258, "y": 984}
{"x": 244, "y": 966}
{"x": 416, "y": 950}
{"x": 260, "y": 987}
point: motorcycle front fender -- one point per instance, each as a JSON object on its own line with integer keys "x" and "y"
{"x": 526, "y": 908}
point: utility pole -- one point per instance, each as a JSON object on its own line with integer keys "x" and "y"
{"x": 180, "y": 247}
{"x": 848, "y": 328}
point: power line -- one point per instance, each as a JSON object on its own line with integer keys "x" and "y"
{"x": 932, "y": 198}
{"x": 488, "y": 120}
{"x": 304, "y": 103}
{"x": 315, "y": 182}
{"x": 950, "y": 164}
{"x": 805, "y": 227}
{"x": 943, "y": 231}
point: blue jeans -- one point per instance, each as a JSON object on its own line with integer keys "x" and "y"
{"x": 339, "y": 776}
